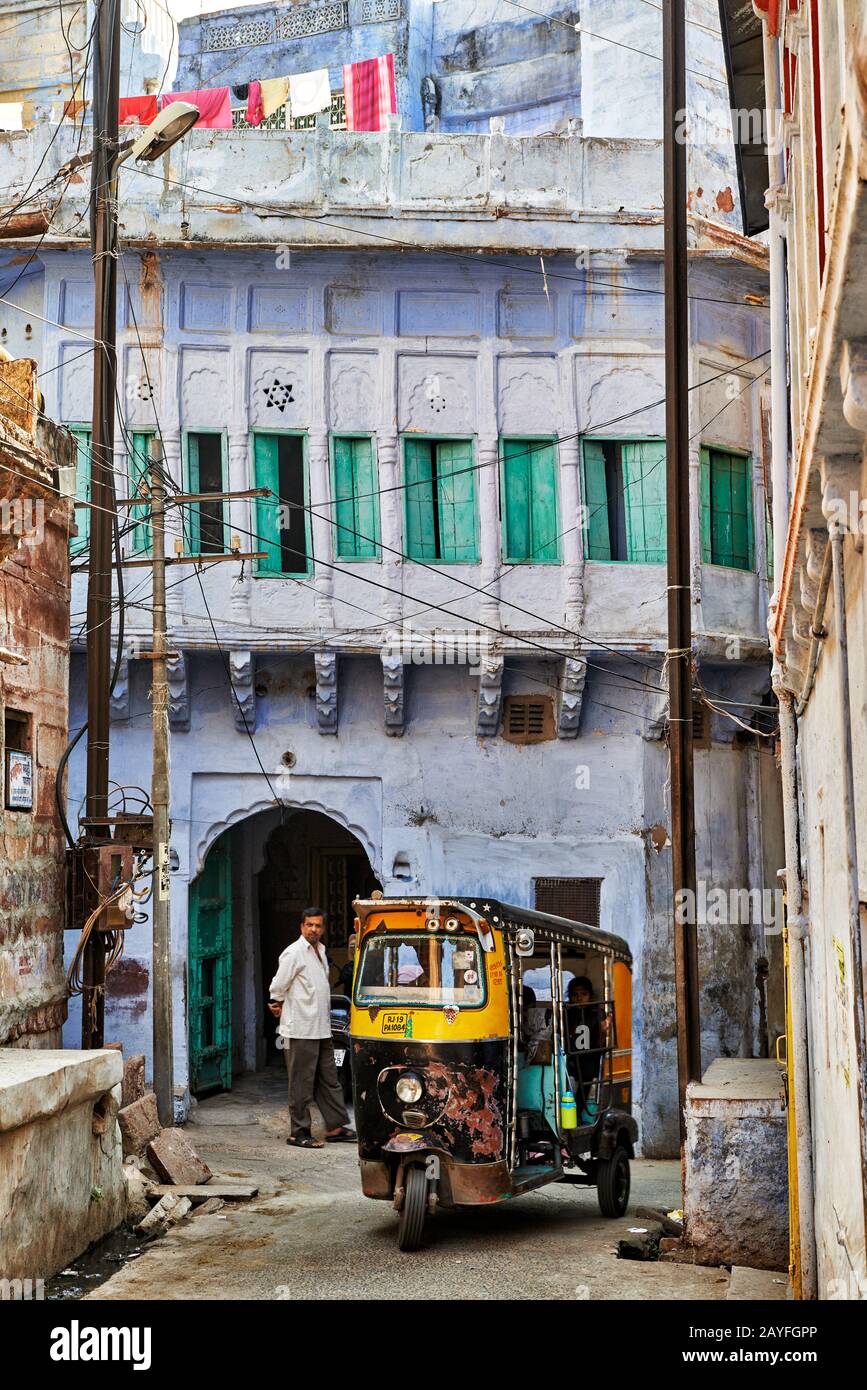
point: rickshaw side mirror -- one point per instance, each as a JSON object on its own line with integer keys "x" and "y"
{"x": 525, "y": 942}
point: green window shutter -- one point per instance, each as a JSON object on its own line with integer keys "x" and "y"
{"x": 769, "y": 543}
{"x": 191, "y": 530}
{"x": 729, "y": 490}
{"x": 356, "y": 513}
{"x": 543, "y": 474}
{"x": 722, "y": 541}
{"x": 81, "y": 543}
{"x": 517, "y": 521}
{"x": 742, "y": 512}
{"x": 530, "y": 496}
{"x": 644, "y": 474}
{"x": 139, "y": 471}
{"x": 596, "y": 530}
{"x": 456, "y": 485}
{"x": 704, "y": 475}
{"x": 420, "y": 537}
{"x": 267, "y": 471}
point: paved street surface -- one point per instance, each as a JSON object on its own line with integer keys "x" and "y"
{"x": 311, "y": 1234}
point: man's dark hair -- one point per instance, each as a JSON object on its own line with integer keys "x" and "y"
{"x": 314, "y": 912}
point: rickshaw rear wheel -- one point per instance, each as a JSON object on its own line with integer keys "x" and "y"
{"x": 612, "y": 1183}
{"x": 413, "y": 1211}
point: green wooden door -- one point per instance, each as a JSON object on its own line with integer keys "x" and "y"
{"x": 210, "y": 977}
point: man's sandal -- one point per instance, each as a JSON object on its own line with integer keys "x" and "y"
{"x": 305, "y": 1142}
{"x": 343, "y": 1136}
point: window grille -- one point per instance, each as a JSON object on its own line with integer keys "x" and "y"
{"x": 222, "y": 36}
{"x": 299, "y": 21}
{"x": 575, "y": 898}
{"x": 375, "y": 11}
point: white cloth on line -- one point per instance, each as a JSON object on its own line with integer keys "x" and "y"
{"x": 11, "y": 115}
{"x": 309, "y": 92}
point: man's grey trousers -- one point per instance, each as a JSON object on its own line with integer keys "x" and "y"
{"x": 313, "y": 1077}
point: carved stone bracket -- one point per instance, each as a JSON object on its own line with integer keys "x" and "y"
{"x": 326, "y": 692}
{"x": 179, "y": 692}
{"x": 572, "y": 680}
{"x": 490, "y": 695}
{"x": 120, "y": 694}
{"x": 323, "y": 599}
{"x": 392, "y": 688}
{"x": 240, "y": 599}
{"x": 853, "y": 381}
{"x": 242, "y": 668}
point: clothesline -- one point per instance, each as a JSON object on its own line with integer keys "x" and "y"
{"x": 368, "y": 88}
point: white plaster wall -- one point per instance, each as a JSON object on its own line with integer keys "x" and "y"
{"x": 840, "y": 1232}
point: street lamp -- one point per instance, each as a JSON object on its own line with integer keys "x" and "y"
{"x": 170, "y": 125}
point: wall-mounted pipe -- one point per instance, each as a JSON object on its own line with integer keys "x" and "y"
{"x": 797, "y": 927}
{"x": 779, "y": 344}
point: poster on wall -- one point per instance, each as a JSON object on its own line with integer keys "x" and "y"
{"x": 19, "y": 780}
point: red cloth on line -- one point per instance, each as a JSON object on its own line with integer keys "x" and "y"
{"x": 255, "y": 114}
{"x": 368, "y": 89}
{"x": 214, "y": 103}
{"x": 136, "y": 110}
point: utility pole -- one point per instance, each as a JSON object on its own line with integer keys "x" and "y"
{"x": 162, "y": 962}
{"x": 102, "y": 515}
{"x": 679, "y": 660}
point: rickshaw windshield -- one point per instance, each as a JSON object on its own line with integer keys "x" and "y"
{"x": 420, "y": 968}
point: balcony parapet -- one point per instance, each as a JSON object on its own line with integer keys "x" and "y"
{"x": 327, "y": 188}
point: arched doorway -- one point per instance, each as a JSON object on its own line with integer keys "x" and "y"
{"x": 245, "y": 908}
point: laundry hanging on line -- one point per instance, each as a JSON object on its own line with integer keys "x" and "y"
{"x": 11, "y": 115}
{"x": 137, "y": 110}
{"x": 255, "y": 114}
{"x": 369, "y": 89}
{"x": 369, "y": 92}
{"x": 309, "y": 92}
{"x": 275, "y": 91}
{"x": 214, "y": 103}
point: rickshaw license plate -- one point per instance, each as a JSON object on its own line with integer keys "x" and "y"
{"x": 395, "y": 1025}
{"x": 339, "y": 1056}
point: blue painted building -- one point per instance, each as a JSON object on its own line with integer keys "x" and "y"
{"x": 443, "y": 349}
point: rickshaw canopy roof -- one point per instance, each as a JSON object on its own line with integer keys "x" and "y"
{"x": 510, "y": 919}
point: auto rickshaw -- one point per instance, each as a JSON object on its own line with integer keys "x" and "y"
{"x": 491, "y": 1055}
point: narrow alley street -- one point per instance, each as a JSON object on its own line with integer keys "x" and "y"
{"x": 311, "y": 1234}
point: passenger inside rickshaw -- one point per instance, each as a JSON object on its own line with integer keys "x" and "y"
{"x": 588, "y": 1033}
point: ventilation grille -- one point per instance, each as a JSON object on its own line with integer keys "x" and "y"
{"x": 528, "y": 719}
{"x": 575, "y": 898}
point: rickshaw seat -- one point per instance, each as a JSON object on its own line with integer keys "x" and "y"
{"x": 536, "y": 1092}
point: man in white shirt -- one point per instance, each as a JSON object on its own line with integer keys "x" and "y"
{"x": 301, "y": 999}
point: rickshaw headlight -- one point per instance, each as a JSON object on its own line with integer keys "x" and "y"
{"x": 409, "y": 1088}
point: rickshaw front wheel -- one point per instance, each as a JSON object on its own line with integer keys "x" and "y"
{"x": 413, "y": 1211}
{"x": 612, "y": 1183}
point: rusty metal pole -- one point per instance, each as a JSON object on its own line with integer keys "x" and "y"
{"x": 102, "y": 496}
{"x": 679, "y": 658}
{"x": 162, "y": 935}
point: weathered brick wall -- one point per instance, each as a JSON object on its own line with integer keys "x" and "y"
{"x": 34, "y": 624}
